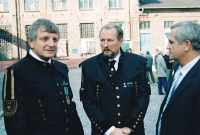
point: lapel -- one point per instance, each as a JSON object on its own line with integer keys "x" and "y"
{"x": 186, "y": 82}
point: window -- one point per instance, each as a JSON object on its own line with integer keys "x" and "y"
{"x": 85, "y": 4}
{"x": 87, "y": 30}
{"x": 5, "y": 43}
{"x": 63, "y": 42}
{"x": 59, "y": 4}
{"x": 3, "y": 5}
{"x": 62, "y": 31}
{"x": 115, "y": 3}
{"x": 168, "y": 24}
{"x": 120, "y": 24}
{"x": 145, "y": 25}
{"x": 32, "y": 5}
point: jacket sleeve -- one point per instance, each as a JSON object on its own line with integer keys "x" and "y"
{"x": 198, "y": 115}
{"x": 90, "y": 103}
{"x": 163, "y": 64}
{"x": 14, "y": 103}
{"x": 142, "y": 102}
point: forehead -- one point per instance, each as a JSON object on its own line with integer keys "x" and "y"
{"x": 108, "y": 32}
{"x": 173, "y": 32}
{"x": 42, "y": 30}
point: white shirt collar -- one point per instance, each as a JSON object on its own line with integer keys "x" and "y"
{"x": 38, "y": 58}
{"x": 185, "y": 69}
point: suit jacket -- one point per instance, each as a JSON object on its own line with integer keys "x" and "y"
{"x": 182, "y": 114}
{"x": 34, "y": 99}
{"x": 149, "y": 62}
{"x": 167, "y": 61}
{"x": 161, "y": 67}
{"x": 113, "y": 98}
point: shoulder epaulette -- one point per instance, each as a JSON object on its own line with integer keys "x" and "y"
{"x": 9, "y": 101}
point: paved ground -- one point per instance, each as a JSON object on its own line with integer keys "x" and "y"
{"x": 75, "y": 76}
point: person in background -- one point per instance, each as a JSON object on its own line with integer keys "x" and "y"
{"x": 180, "y": 110}
{"x": 169, "y": 64}
{"x": 155, "y": 58}
{"x": 149, "y": 66}
{"x": 141, "y": 54}
{"x": 161, "y": 73}
{"x": 129, "y": 50}
{"x": 37, "y": 97}
{"x": 114, "y": 88}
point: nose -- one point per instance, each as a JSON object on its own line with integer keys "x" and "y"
{"x": 51, "y": 42}
{"x": 168, "y": 45}
{"x": 105, "y": 44}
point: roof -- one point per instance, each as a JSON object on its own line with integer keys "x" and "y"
{"x": 169, "y": 4}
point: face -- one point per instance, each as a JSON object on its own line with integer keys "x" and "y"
{"x": 109, "y": 43}
{"x": 45, "y": 44}
{"x": 176, "y": 50}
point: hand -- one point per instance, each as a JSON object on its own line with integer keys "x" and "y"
{"x": 117, "y": 131}
{"x": 126, "y": 130}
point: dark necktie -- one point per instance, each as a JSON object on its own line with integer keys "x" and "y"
{"x": 112, "y": 63}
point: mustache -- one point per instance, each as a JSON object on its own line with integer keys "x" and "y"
{"x": 106, "y": 49}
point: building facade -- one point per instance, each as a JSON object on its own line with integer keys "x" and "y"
{"x": 79, "y": 21}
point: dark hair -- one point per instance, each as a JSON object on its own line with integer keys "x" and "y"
{"x": 118, "y": 29}
{"x": 46, "y": 24}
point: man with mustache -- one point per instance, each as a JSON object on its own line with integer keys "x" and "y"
{"x": 37, "y": 97}
{"x": 114, "y": 87}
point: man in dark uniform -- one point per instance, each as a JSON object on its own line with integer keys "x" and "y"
{"x": 114, "y": 88}
{"x": 37, "y": 97}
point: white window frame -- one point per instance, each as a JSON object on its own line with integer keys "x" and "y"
{"x": 59, "y": 4}
{"x": 145, "y": 25}
{"x": 31, "y": 5}
{"x": 115, "y": 3}
{"x": 168, "y": 24}
{"x": 85, "y": 4}
{"x": 3, "y": 5}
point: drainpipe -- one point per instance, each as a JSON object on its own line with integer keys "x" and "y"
{"x": 17, "y": 29}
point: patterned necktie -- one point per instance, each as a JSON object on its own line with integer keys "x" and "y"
{"x": 172, "y": 90}
{"x": 175, "y": 82}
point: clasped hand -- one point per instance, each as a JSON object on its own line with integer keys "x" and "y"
{"x": 121, "y": 131}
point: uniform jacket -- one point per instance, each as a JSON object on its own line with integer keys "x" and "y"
{"x": 34, "y": 99}
{"x": 113, "y": 98}
{"x": 182, "y": 114}
{"x": 161, "y": 67}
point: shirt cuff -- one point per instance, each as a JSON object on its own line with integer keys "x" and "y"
{"x": 109, "y": 130}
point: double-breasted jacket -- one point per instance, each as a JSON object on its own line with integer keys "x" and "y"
{"x": 115, "y": 98}
{"x": 37, "y": 99}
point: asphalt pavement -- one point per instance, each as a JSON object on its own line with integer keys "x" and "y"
{"x": 75, "y": 79}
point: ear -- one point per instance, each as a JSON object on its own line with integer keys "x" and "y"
{"x": 188, "y": 45}
{"x": 121, "y": 41}
{"x": 30, "y": 42}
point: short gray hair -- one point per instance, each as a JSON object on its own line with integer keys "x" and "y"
{"x": 188, "y": 30}
{"x": 46, "y": 24}
{"x": 118, "y": 29}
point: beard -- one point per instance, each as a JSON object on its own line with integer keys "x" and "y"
{"x": 108, "y": 56}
